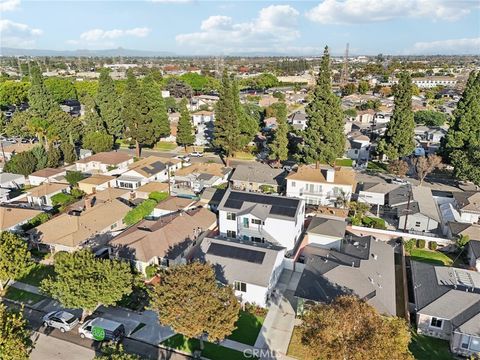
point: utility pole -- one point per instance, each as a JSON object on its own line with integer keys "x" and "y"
{"x": 344, "y": 74}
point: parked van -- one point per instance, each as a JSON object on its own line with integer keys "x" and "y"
{"x": 101, "y": 329}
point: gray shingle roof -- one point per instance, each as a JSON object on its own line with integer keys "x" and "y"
{"x": 327, "y": 226}
{"x": 259, "y": 173}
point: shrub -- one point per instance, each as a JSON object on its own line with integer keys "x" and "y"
{"x": 62, "y": 199}
{"x": 432, "y": 245}
{"x": 421, "y": 244}
{"x": 137, "y": 214}
{"x": 37, "y": 220}
{"x": 267, "y": 189}
{"x": 150, "y": 271}
{"x": 255, "y": 309}
{"x": 409, "y": 245}
{"x": 158, "y": 196}
{"x": 73, "y": 177}
{"x": 77, "y": 193}
{"x": 374, "y": 222}
{"x": 356, "y": 221}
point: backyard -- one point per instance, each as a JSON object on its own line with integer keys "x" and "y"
{"x": 426, "y": 348}
{"x": 248, "y": 327}
{"x": 430, "y": 256}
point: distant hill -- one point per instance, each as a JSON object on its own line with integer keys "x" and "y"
{"x": 5, "y": 51}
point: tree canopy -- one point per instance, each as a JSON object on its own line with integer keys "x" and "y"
{"x": 430, "y": 118}
{"x": 98, "y": 141}
{"x": 14, "y": 257}
{"x": 189, "y": 299}
{"x": 61, "y": 88}
{"x": 15, "y": 341}
{"x": 185, "y": 135}
{"x": 109, "y": 105}
{"x": 349, "y": 328}
{"x": 40, "y": 99}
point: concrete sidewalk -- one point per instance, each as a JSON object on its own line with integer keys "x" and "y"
{"x": 25, "y": 287}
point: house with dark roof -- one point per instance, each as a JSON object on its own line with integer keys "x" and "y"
{"x": 446, "y": 301}
{"x": 473, "y": 253}
{"x": 252, "y": 269}
{"x": 361, "y": 266}
{"x": 467, "y": 204}
{"x": 326, "y": 231}
{"x": 299, "y": 120}
{"x": 257, "y": 177}
{"x": 261, "y": 218}
{"x": 193, "y": 179}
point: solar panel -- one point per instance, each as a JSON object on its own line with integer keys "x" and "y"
{"x": 237, "y": 253}
{"x": 280, "y": 205}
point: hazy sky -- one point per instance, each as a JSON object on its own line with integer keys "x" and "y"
{"x": 225, "y": 27}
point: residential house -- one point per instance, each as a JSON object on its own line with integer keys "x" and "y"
{"x": 252, "y": 269}
{"x": 467, "y": 205}
{"x": 105, "y": 162}
{"x": 193, "y": 179}
{"x": 202, "y": 117}
{"x": 211, "y": 198}
{"x": 47, "y": 175}
{"x": 258, "y": 177}
{"x": 271, "y": 123}
{"x": 11, "y": 181}
{"x": 173, "y": 204}
{"x": 359, "y": 148}
{"x": 143, "y": 191}
{"x": 299, "y": 120}
{"x": 203, "y": 123}
{"x": 261, "y": 218}
{"x": 446, "y": 301}
{"x": 473, "y": 253}
{"x": 12, "y": 218}
{"x": 41, "y": 196}
{"x": 92, "y": 224}
{"x": 457, "y": 229}
{"x": 151, "y": 168}
{"x": 382, "y": 118}
{"x": 416, "y": 206}
{"x": 4, "y": 195}
{"x": 429, "y": 137}
{"x": 365, "y": 116}
{"x": 326, "y": 231}
{"x": 167, "y": 241}
{"x": 363, "y": 266}
{"x": 374, "y": 193}
{"x": 96, "y": 182}
{"x": 434, "y": 81}
{"x": 322, "y": 186}
{"x": 10, "y": 150}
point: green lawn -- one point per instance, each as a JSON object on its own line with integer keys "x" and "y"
{"x": 377, "y": 166}
{"x": 248, "y": 327}
{"x": 211, "y": 351}
{"x": 36, "y": 274}
{"x": 434, "y": 257}
{"x": 22, "y": 296}
{"x": 344, "y": 162}
{"x": 427, "y": 348}
{"x": 165, "y": 146}
{"x": 243, "y": 155}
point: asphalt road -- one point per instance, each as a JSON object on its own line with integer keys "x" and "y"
{"x": 50, "y": 338}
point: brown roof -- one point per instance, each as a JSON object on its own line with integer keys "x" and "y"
{"x": 174, "y": 203}
{"x": 166, "y": 237}
{"x": 10, "y": 217}
{"x": 97, "y": 179}
{"x": 343, "y": 175}
{"x": 48, "y": 172}
{"x": 109, "y": 158}
{"x": 205, "y": 168}
{"x": 18, "y": 148}
{"x": 147, "y": 166}
{"x": 153, "y": 186}
{"x": 47, "y": 189}
{"x": 71, "y": 230}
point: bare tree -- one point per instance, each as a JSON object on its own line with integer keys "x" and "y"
{"x": 398, "y": 167}
{"x": 424, "y": 165}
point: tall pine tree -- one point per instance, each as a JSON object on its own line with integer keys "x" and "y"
{"x": 185, "y": 134}
{"x": 227, "y": 125}
{"x": 39, "y": 98}
{"x": 92, "y": 120}
{"x": 324, "y": 138}
{"x": 398, "y": 140}
{"x": 157, "y": 111}
{"x": 279, "y": 145}
{"x": 462, "y": 143}
{"x": 109, "y": 105}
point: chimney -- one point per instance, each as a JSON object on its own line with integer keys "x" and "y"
{"x": 88, "y": 203}
{"x": 330, "y": 175}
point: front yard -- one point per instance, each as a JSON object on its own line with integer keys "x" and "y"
{"x": 377, "y": 166}
{"x": 22, "y": 296}
{"x": 426, "y": 348}
{"x": 36, "y": 274}
{"x": 248, "y": 327}
{"x": 430, "y": 256}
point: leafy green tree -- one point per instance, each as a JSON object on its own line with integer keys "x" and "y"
{"x": 279, "y": 145}
{"x": 157, "y": 112}
{"x": 64, "y": 127}
{"x": 430, "y": 118}
{"x": 348, "y": 89}
{"x": 363, "y": 87}
{"x": 109, "y": 105}
{"x": 68, "y": 152}
{"x": 19, "y": 125}
{"x": 111, "y": 351}
{"x": 54, "y": 156}
{"x": 22, "y": 163}
{"x": 358, "y": 208}
{"x": 98, "y": 142}
{"x": 39, "y": 98}
{"x": 83, "y": 281}
{"x": 39, "y": 127}
{"x": 249, "y": 126}
{"x": 178, "y": 88}
{"x": 13, "y": 92}
{"x": 41, "y": 157}
{"x": 349, "y": 328}
{"x": 139, "y": 212}
{"x": 86, "y": 88}
{"x": 399, "y": 136}
{"x": 324, "y": 138}
{"x": 15, "y": 258}
{"x": 15, "y": 340}
{"x": 227, "y": 125}
{"x": 73, "y": 177}
{"x": 61, "y": 88}
{"x": 189, "y": 299}
{"x": 199, "y": 82}
{"x": 185, "y": 135}
{"x": 462, "y": 241}
{"x": 93, "y": 121}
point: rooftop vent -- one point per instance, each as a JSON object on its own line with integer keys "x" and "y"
{"x": 375, "y": 256}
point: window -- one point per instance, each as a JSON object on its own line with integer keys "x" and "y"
{"x": 437, "y": 323}
{"x": 417, "y": 223}
{"x": 294, "y": 184}
{"x": 231, "y": 216}
{"x": 256, "y": 222}
{"x": 231, "y": 234}
{"x": 257, "y": 239}
{"x": 465, "y": 341}
{"x": 245, "y": 222}
{"x": 240, "y": 286}
{"x": 475, "y": 344}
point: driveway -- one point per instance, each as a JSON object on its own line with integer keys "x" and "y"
{"x": 278, "y": 325}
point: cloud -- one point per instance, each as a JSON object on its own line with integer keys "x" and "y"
{"x": 9, "y": 5}
{"x": 17, "y": 35}
{"x": 365, "y": 11}
{"x": 273, "y": 28}
{"x": 452, "y": 46}
{"x": 99, "y": 34}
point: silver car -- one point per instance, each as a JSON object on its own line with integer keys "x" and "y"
{"x": 62, "y": 320}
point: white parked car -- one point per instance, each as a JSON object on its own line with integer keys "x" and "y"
{"x": 196, "y": 154}
{"x": 62, "y": 320}
{"x": 399, "y": 181}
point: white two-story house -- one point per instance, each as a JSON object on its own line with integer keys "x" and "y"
{"x": 321, "y": 186}
{"x": 261, "y": 218}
